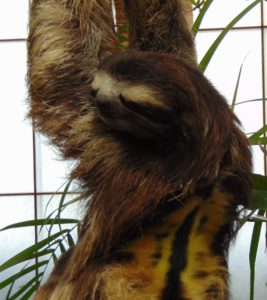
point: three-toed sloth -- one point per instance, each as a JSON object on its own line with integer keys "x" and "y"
{"x": 160, "y": 156}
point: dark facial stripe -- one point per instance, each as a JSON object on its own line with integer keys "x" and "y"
{"x": 178, "y": 260}
{"x": 152, "y": 112}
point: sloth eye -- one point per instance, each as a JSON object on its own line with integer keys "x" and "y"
{"x": 123, "y": 100}
{"x": 131, "y": 105}
{"x": 93, "y": 93}
{"x": 135, "y": 107}
{"x": 152, "y": 112}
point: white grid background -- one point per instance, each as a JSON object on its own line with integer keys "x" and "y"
{"x": 31, "y": 171}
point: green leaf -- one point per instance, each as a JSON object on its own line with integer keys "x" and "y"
{"x": 253, "y": 252}
{"x": 61, "y": 203}
{"x": 122, "y": 46}
{"x": 30, "y": 252}
{"x": 25, "y": 287}
{"x": 259, "y": 199}
{"x": 65, "y": 205}
{"x": 29, "y": 293}
{"x": 63, "y": 197}
{"x": 70, "y": 240}
{"x": 41, "y": 222}
{"x": 200, "y": 16}
{"x": 62, "y": 248}
{"x": 207, "y": 57}
{"x": 47, "y": 251}
{"x": 122, "y": 38}
{"x": 55, "y": 258}
{"x": 51, "y": 198}
{"x": 123, "y": 26}
{"x": 260, "y": 141}
{"x": 237, "y": 86}
{"x": 256, "y": 137}
{"x": 259, "y": 193}
{"x": 259, "y": 182}
{"x": 21, "y": 273}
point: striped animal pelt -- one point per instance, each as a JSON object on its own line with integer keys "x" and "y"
{"x": 162, "y": 162}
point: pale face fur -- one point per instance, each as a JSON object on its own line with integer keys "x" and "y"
{"x": 113, "y": 99}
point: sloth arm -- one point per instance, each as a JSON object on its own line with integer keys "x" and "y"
{"x": 161, "y": 26}
{"x": 67, "y": 41}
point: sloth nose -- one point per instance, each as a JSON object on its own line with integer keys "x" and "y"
{"x": 106, "y": 106}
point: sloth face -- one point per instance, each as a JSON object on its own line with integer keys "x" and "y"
{"x": 157, "y": 96}
{"x": 130, "y": 91}
{"x": 129, "y": 107}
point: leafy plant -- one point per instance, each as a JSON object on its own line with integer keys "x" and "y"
{"x": 38, "y": 257}
{"x": 59, "y": 238}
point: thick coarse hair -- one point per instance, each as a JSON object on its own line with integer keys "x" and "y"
{"x": 155, "y": 145}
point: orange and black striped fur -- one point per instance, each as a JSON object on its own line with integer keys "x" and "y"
{"x": 160, "y": 156}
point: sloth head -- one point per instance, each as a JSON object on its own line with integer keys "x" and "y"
{"x": 130, "y": 105}
{"x": 169, "y": 105}
{"x": 131, "y": 93}
{"x": 157, "y": 97}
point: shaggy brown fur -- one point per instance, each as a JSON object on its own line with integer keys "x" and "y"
{"x": 158, "y": 26}
{"x": 159, "y": 153}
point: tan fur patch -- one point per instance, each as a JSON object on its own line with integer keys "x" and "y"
{"x": 106, "y": 85}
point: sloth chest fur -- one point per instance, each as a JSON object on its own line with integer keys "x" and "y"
{"x": 177, "y": 260}
{"x": 173, "y": 260}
